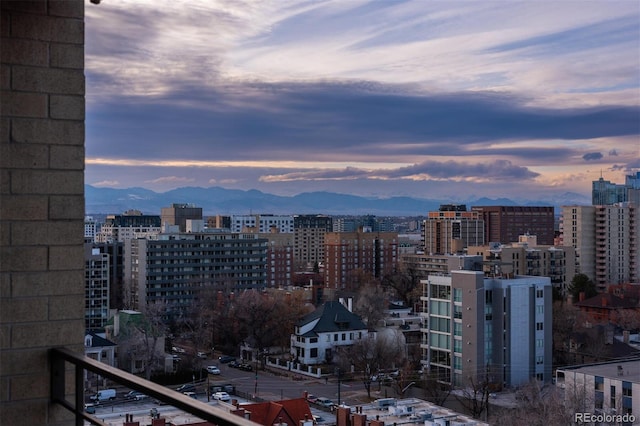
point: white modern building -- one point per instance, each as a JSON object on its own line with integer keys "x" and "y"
{"x": 262, "y": 223}
{"x": 491, "y": 329}
{"x": 318, "y": 334}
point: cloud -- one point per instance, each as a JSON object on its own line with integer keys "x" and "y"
{"x": 613, "y": 153}
{"x": 591, "y": 156}
{"x": 170, "y": 179}
{"x": 106, "y": 183}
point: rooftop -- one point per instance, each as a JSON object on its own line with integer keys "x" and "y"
{"x": 630, "y": 370}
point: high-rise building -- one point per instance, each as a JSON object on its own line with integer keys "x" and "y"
{"x": 606, "y": 239}
{"x": 279, "y": 259}
{"x": 177, "y": 215}
{"x": 526, "y": 257}
{"x": 171, "y": 268}
{"x": 374, "y": 253}
{"x": 262, "y": 223}
{"x": 504, "y": 224}
{"x": 96, "y": 288}
{"x": 487, "y": 329}
{"x": 604, "y": 192}
{"x": 131, "y": 224}
{"x": 451, "y": 229}
{"x": 309, "y": 232}
{"x": 90, "y": 229}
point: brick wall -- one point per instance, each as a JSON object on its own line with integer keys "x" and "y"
{"x": 41, "y": 200}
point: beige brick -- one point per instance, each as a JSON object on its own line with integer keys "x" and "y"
{"x": 5, "y": 236}
{"x": 59, "y": 232}
{"x": 24, "y": 104}
{"x": 32, "y": 412}
{"x": 29, "y": 387}
{"x": 5, "y": 129}
{"x": 58, "y": 132}
{"x": 66, "y": 56}
{"x": 5, "y": 25}
{"x": 23, "y": 310}
{"x": 67, "y": 8}
{"x": 48, "y": 28}
{"x": 5, "y": 337}
{"x": 24, "y": 52}
{"x": 66, "y": 207}
{"x": 24, "y": 362}
{"x": 5, "y": 77}
{"x": 67, "y": 257}
{"x": 23, "y": 156}
{"x": 52, "y": 333}
{"x": 66, "y": 107}
{"x": 23, "y": 259}
{"x": 67, "y": 157}
{"x": 53, "y": 283}
{"x": 60, "y": 416}
{"x": 66, "y": 307}
{"x": 47, "y": 182}
{"x": 48, "y": 80}
{"x": 24, "y": 207}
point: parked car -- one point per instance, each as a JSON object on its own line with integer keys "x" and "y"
{"x": 312, "y": 398}
{"x": 234, "y": 364}
{"x": 191, "y": 394}
{"x": 187, "y": 387}
{"x": 213, "y": 369}
{"x": 225, "y": 359}
{"x": 221, "y": 396}
{"x": 245, "y": 367}
{"x": 135, "y": 395}
{"x": 325, "y": 402}
{"x": 90, "y": 408}
{"x": 202, "y": 355}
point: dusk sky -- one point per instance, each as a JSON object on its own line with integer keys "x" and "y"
{"x": 430, "y": 99}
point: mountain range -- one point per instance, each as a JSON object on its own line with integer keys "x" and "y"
{"x": 217, "y": 200}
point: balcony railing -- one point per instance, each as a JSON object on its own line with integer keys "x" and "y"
{"x": 60, "y": 356}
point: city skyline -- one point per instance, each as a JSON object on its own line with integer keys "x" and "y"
{"x": 427, "y": 99}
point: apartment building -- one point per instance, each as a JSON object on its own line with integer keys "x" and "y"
{"x": 132, "y": 224}
{"x": 374, "y": 253}
{"x": 487, "y": 328}
{"x": 526, "y": 257}
{"x": 309, "y": 232}
{"x": 604, "y": 192}
{"x": 606, "y": 239}
{"x": 90, "y": 228}
{"x": 280, "y": 259}
{"x": 262, "y": 223}
{"x": 451, "y": 229}
{"x": 170, "y": 268}
{"x": 96, "y": 288}
{"x": 504, "y": 224}
{"x": 611, "y": 388}
{"x": 423, "y": 265}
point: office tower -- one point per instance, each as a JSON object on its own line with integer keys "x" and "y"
{"x": 504, "y": 224}
{"x": 309, "y": 232}
{"x": 131, "y": 224}
{"x": 171, "y": 268}
{"x": 42, "y": 143}
{"x": 177, "y": 215}
{"x": 90, "y": 229}
{"x": 96, "y": 288}
{"x": 487, "y": 329}
{"x": 606, "y": 241}
{"x": 604, "y": 192}
{"x": 346, "y": 253}
{"x": 262, "y": 223}
{"x": 451, "y": 229}
{"x": 219, "y": 222}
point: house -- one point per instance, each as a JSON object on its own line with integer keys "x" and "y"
{"x": 290, "y": 412}
{"x": 102, "y": 350}
{"x": 318, "y": 334}
{"x": 607, "y": 307}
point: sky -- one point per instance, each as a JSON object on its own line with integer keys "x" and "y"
{"x": 430, "y": 99}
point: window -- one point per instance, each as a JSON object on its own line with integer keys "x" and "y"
{"x": 599, "y": 383}
{"x": 335, "y": 337}
{"x": 539, "y": 309}
{"x": 539, "y": 343}
{"x": 539, "y": 360}
{"x": 457, "y": 295}
{"x": 626, "y": 389}
{"x": 612, "y": 402}
{"x": 313, "y": 353}
{"x": 457, "y": 329}
{"x": 539, "y": 326}
{"x": 344, "y": 336}
{"x": 539, "y": 293}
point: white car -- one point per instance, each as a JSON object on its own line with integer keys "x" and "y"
{"x": 213, "y": 369}
{"x": 222, "y": 396}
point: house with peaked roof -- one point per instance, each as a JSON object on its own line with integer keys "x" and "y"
{"x": 318, "y": 334}
{"x": 292, "y": 412}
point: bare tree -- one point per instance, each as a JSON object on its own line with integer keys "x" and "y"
{"x": 370, "y": 303}
{"x": 538, "y": 405}
{"x": 475, "y": 396}
{"x": 435, "y": 390}
{"x": 405, "y": 282}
